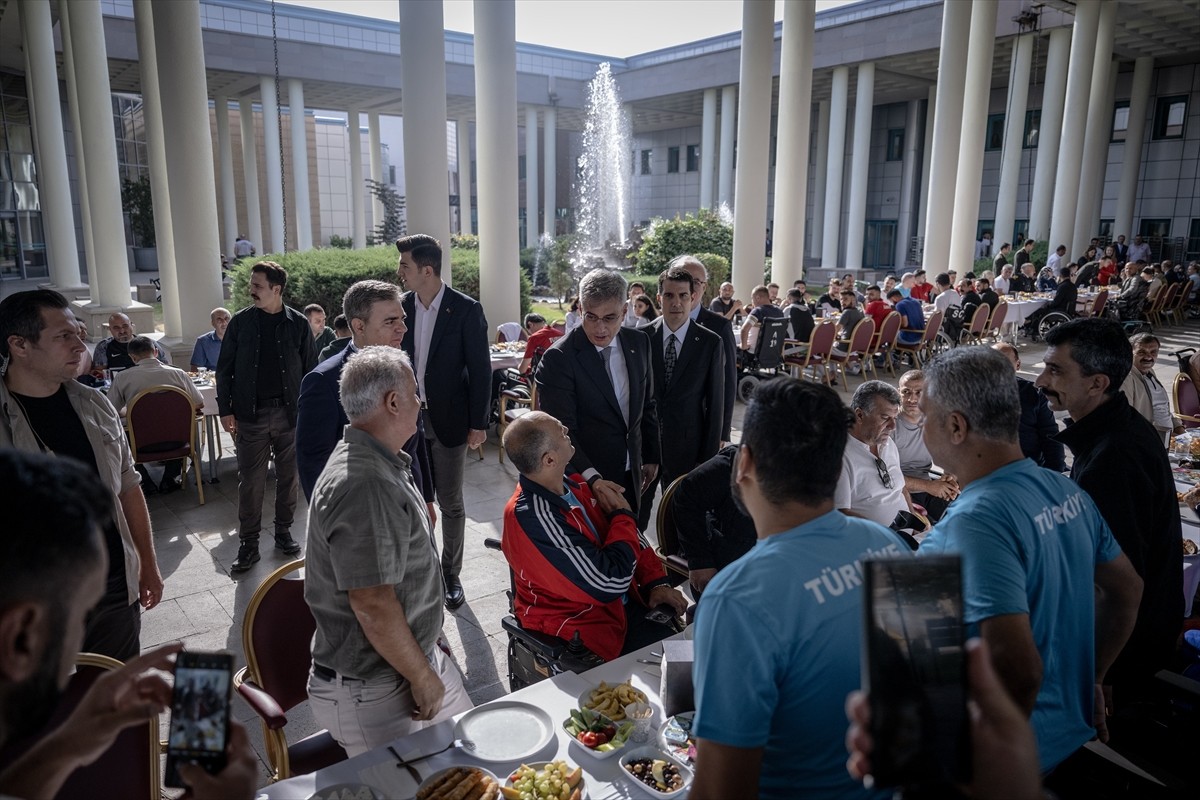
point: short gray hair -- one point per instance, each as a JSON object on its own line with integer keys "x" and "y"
{"x": 864, "y": 396}
{"x": 219, "y": 310}
{"x": 688, "y": 260}
{"x": 602, "y": 286}
{"x": 526, "y": 440}
{"x": 369, "y": 375}
{"x": 357, "y": 302}
{"x": 978, "y": 383}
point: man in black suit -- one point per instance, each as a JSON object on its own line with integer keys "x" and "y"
{"x": 447, "y": 340}
{"x": 721, "y": 327}
{"x": 596, "y": 380}
{"x": 689, "y": 384}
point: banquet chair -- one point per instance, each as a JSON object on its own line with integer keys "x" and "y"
{"x": 668, "y": 536}
{"x": 884, "y": 342}
{"x": 1098, "y": 305}
{"x": 277, "y": 634}
{"x": 515, "y": 403}
{"x": 162, "y": 427}
{"x": 858, "y": 345}
{"x": 1164, "y": 300}
{"x": 975, "y": 330}
{"x": 510, "y": 332}
{"x": 820, "y": 345}
{"x": 995, "y": 325}
{"x": 922, "y": 349}
{"x": 1186, "y": 401}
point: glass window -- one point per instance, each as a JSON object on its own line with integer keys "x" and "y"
{"x": 1154, "y": 228}
{"x": 693, "y": 158}
{"x": 1120, "y": 123}
{"x": 895, "y": 144}
{"x": 672, "y": 160}
{"x": 1169, "y": 114}
{"x": 995, "y": 132}
{"x": 520, "y": 168}
{"x": 1106, "y": 230}
{"x": 646, "y": 155}
{"x": 1033, "y": 123}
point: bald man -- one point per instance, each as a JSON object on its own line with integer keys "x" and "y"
{"x": 1037, "y": 427}
{"x": 113, "y": 352}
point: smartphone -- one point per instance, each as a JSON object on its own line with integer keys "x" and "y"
{"x": 199, "y": 729}
{"x": 914, "y": 671}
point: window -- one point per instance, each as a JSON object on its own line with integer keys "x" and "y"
{"x": 995, "y": 132}
{"x": 1154, "y": 228}
{"x": 774, "y": 143}
{"x": 1106, "y": 230}
{"x": 391, "y": 175}
{"x": 646, "y": 155}
{"x": 895, "y": 144}
{"x": 1169, "y": 114}
{"x": 672, "y": 160}
{"x": 1020, "y": 232}
{"x": 1120, "y": 122}
{"x": 1033, "y": 123}
{"x": 693, "y": 158}
{"x": 520, "y": 168}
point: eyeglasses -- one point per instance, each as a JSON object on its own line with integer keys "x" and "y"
{"x": 611, "y": 319}
{"x": 884, "y": 475}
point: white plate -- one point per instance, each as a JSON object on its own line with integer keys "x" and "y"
{"x": 540, "y": 765}
{"x": 346, "y": 791}
{"x": 432, "y": 778}
{"x": 505, "y": 730}
{"x": 654, "y": 752}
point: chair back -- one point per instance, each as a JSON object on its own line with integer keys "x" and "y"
{"x": 932, "y": 326}
{"x": 997, "y": 319}
{"x": 668, "y": 534}
{"x": 277, "y": 634}
{"x": 979, "y": 321}
{"x": 888, "y": 331}
{"x": 1187, "y": 401}
{"x": 1098, "y": 304}
{"x": 510, "y": 332}
{"x": 820, "y": 344}
{"x": 162, "y": 424}
{"x": 860, "y": 337}
{"x": 770, "y": 342}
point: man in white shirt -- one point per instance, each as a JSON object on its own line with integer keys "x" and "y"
{"x": 1144, "y": 390}
{"x": 1139, "y": 250}
{"x": 1001, "y": 283}
{"x": 872, "y": 484}
{"x": 1055, "y": 261}
{"x": 933, "y": 493}
{"x": 946, "y": 295}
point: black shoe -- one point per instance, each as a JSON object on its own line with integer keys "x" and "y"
{"x": 148, "y": 487}
{"x": 285, "y": 542}
{"x": 455, "y": 596}
{"x": 248, "y": 556}
{"x": 169, "y": 485}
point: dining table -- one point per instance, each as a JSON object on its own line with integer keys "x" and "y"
{"x": 212, "y": 424}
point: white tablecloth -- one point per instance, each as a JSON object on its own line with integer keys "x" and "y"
{"x": 1019, "y": 310}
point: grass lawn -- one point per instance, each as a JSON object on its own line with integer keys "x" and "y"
{"x": 551, "y": 311}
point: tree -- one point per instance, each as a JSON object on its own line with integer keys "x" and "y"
{"x": 138, "y": 202}
{"x": 393, "y": 225}
{"x": 702, "y": 232}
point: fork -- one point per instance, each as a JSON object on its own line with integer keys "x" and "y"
{"x": 465, "y": 744}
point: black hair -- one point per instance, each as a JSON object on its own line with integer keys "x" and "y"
{"x": 1098, "y": 346}
{"x": 676, "y": 273}
{"x": 21, "y": 314}
{"x": 275, "y": 274}
{"x": 426, "y": 251}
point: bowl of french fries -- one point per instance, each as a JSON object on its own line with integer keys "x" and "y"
{"x": 611, "y": 699}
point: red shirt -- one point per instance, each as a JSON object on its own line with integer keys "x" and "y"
{"x": 921, "y": 291}
{"x": 540, "y": 341}
{"x": 878, "y": 309}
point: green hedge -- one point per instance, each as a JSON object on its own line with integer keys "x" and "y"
{"x": 702, "y": 232}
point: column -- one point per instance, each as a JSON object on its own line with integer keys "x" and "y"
{"x": 270, "y": 115}
{"x": 375, "y": 153}
{"x": 1097, "y": 132}
{"x": 926, "y": 160}
{"x": 229, "y": 220}
{"x": 981, "y": 45}
{"x": 531, "y": 177}
{"x": 54, "y": 183}
{"x": 189, "y": 161}
{"x": 496, "y": 169}
{"x": 725, "y": 162}
{"x": 300, "y": 164}
{"x": 708, "y": 135}
{"x": 250, "y": 173}
{"x": 856, "y": 217}
{"x": 463, "y": 135}
{"x": 791, "y": 142}
{"x": 820, "y": 180}
{"x": 1054, "y": 93}
{"x": 156, "y": 151}
{"x": 1131, "y": 164}
{"x": 550, "y": 170}
{"x": 1070, "y": 155}
{"x": 1014, "y": 134}
{"x": 85, "y": 212}
{"x": 840, "y": 91}
{"x": 1098, "y": 161}
{"x": 423, "y": 86}
{"x": 358, "y": 211}
{"x": 947, "y": 129}
{"x": 908, "y": 184}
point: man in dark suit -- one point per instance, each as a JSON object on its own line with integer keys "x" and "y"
{"x": 689, "y": 384}
{"x": 721, "y": 327}
{"x": 376, "y": 317}
{"x": 447, "y": 340}
{"x": 596, "y": 380}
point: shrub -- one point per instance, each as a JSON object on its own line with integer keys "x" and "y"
{"x": 702, "y": 232}
{"x": 718, "y": 273}
{"x": 464, "y": 241}
{"x": 341, "y": 242}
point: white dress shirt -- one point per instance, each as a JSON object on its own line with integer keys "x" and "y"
{"x": 620, "y": 382}
{"x": 860, "y": 488}
{"x": 424, "y": 320}
{"x": 680, "y": 335}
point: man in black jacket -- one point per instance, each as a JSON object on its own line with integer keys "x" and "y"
{"x": 266, "y": 352}
{"x": 1037, "y": 427}
{"x": 721, "y": 327}
{"x": 713, "y": 532}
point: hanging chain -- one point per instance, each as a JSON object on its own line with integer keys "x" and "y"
{"x": 279, "y": 128}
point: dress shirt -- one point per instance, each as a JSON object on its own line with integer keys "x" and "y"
{"x": 1159, "y": 401}
{"x": 424, "y": 321}
{"x": 615, "y": 364}
{"x": 679, "y": 335}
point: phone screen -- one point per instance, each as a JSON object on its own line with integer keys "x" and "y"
{"x": 914, "y": 671}
{"x": 199, "y": 713}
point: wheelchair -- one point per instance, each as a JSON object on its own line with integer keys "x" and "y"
{"x": 764, "y": 361}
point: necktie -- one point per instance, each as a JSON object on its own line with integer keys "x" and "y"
{"x": 606, "y": 354}
{"x": 669, "y": 358}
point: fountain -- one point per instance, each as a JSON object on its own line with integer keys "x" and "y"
{"x": 541, "y": 260}
{"x": 602, "y": 190}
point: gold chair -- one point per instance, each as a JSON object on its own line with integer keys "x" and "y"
{"x": 162, "y": 426}
{"x": 668, "y": 536}
{"x": 513, "y": 406}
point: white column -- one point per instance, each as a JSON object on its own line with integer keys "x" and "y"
{"x": 791, "y": 142}
{"x": 299, "y": 165}
{"x": 423, "y": 86}
{"x": 496, "y": 168}
{"x": 89, "y": 248}
{"x": 274, "y": 173}
{"x": 358, "y": 211}
{"x": 926, "y": 159}
{"x": 550, "y": 190}
{"x": 110, "y": 271}
{"x": 754, "y": 140}
{"x": 54, "y": 183}
{"x": 1070, "y": 155}
{"x": 1131, "y": 164}
{"x": 708, "y": 135}
{"x": 1054, "y": 93}
{"x": 980, "y": 48}
{"x": 250, "y": 173}
{"x": 947, "y": 130}
{"x": 840, "y": 91}
{"x": 463, "y": 137}
{"x": 725, "y": 163}
{"x": 856, "y": 216}
{"x": 160, "y": 188}
{"x": 908, "y": 183}
{"x": 1097, "y": 132}
{"x": 375, "y": 153}
{"x": 531, "y": 177}
{"x": 1014, "y": 135}
{"x": 229, "y": 221}
{"x": 1099, "y": 159}
{"x": 820, "y": 179}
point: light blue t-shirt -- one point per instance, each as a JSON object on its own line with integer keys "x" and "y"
{"x": 777, "y": 650}
{"x": 1029, "y": 540}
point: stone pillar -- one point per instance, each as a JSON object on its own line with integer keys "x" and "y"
{"x": 908, "y": 184}
{"x": 550, "y": 170}
{"x": 840, "y": 91}
{"x": 980, "y": 48}
{"x": 1131, "y": 164}
{"x": 791, "y": 148}
{"x": 189, "y": 161}
{"x": 229, "y": 220}
{"x": 1054, "y": 92}
{"x": 54, "y": 183}
{"x": 358, "y": 211}
{"x": 463, "y": 137}
{"x": 299, "y": 165}
{"x": 1097, "y": 133}
{"x": 160, "y": 188}
{"x": 531, "y": 177}
{"x": 708, "y": 135}
{"x": 926, "y": 160}
{"x": 856, "y": 217}
{"x": 496, "y": 168}
{"x": 1065, "y": 188}
{"x": 754, "y": 137}
{"x": 375, "y": 153}
{"x": 947, "y": 129}
{"x": 820, "y": 180}
{"x": 254, "y": 227}
{"x": 81, "y": 187}
{"x": 1098, "y": 160}
{"x": 274, "y": 172}
{"x": 1014, "y": 135}
{"x": 725, "y": 164}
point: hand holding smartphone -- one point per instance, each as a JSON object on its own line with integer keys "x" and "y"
{"x": 199, "y": 732}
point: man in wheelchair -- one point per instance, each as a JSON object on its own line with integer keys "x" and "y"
{"x": 577, "y": 560}
{"x": 1058, "y": 310}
